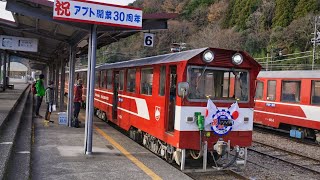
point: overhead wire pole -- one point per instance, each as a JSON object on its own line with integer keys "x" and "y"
{"x": 71, "y": 84}
{"x": 314, "y": 41}
{"x": 90, "y": 90}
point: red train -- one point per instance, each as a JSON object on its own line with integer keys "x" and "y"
{"x": 161, "y": 101}
{"x": 289, "y": 100}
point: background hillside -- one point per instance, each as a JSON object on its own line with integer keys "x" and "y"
{"x": 260, "y": 27}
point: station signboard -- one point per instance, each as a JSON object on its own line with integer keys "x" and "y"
{"x": 97, "y": 13}
{"x": 18, "y": 43}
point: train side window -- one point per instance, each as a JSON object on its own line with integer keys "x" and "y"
{"x": 97, "y": 79}
{"x": 146, "y": 81}
{"x": 109, "y": 79}
{"x": 131, "y": 80}
{"x": 121, "y": 80}
{"x": 271, "y": 91}
{"x": 259, "y": 90}
{"x": 290, "y": 91}
{"x": 162, "y": 81}
{"x": 315, "y": 97}
{"x": 102, "y": 78}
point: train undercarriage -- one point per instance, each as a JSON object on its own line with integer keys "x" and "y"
{"x": 221, "y": 157}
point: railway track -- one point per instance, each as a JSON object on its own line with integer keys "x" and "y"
{"x": 214, "y": 174}
{"x": 295, "y": 159}
{"x": 284, "y": 134}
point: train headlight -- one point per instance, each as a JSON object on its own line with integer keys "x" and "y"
{"x": 237, "y": 59}
{"x": 208, "y": 56}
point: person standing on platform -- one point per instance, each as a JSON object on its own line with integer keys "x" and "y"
{"x": 77, "y": 98}
{"x": 40, "y": 93}
{"x": 49, "y": 96}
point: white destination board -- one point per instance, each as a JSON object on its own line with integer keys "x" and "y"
{"x": 18, "y": 43}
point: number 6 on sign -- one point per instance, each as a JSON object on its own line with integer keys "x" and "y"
{"x": 148, "y": 39}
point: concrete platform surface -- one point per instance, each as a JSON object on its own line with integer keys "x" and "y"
{"x": 58, "y": 153}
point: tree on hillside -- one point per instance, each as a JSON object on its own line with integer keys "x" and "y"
{"x": 217, "y": 10}
{"x": 174, "y": 6}
{"x": 305, "y": 7}
{"x": 214, "y": 36}
{"x": 284, "y": 12}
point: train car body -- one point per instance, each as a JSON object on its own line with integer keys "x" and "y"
{"x": 156, "y": 99}
{"x": 289, "y": 100}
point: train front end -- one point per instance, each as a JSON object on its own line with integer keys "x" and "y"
{"x": 214, "y": 111}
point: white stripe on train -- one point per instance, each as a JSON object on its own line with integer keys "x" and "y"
{"x": 311, "y": 112}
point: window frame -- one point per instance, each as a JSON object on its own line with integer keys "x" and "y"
{"x": 164, "y": 82}
{"x": 262, "y": 89}
{"x": 141, "y": 75}
{"x": 227, "y": 70}
{"x": 121, "y": 79}
{"x": 135, "y": 78}
{"x": 109, "y": 85}
{"x": 282, "y": 86}
{"x": 275, "y": 91}
{"x": 312, "y": 91}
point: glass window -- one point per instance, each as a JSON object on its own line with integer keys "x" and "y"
{"x": 162, "y": 81}
{"x": 121, "y": 80}
{"x": 218, "y": 84}
{"x": 102, "y": 78}
{"x": 290, "y": 91}
{"x": 109, "y": 79}
{"x": 259, "y": 90}
{"x": 315, "y": 98}
{"x": 97, "y": 79}
{"x": 271, "y": 91}
{"x": 146, "y": 81}
{"x": 131, "y": 80}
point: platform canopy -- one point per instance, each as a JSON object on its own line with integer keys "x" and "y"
{"x": 33, "y": 19}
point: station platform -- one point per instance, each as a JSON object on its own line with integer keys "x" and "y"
{"x": 9, "y": 98}
{"x": 58, "y": 153}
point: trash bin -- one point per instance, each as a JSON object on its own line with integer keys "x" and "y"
{"x": 63, "y": 120}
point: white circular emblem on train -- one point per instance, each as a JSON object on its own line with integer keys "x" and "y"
{"x": 218, "y": 125}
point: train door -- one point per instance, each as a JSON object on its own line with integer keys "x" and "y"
{"x": 172, "y": 97}
{"x": 115, "y": 95}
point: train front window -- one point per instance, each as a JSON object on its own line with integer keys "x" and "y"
{"x": 218, "y": 84}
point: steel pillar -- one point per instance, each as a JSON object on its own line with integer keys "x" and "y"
{"x": 71, "y": 84}
{"x": 4, "y": 72}
{"x": 8, "y": 69}
{"x": 62, "y": 81}
{"x": 57, "y": 83}
{"x": 90, "y": 88}
{"x": 1, "y": 59}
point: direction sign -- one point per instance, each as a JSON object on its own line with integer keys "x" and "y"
{"x": 97, "y": 13}
{"x": 18, "y": 43}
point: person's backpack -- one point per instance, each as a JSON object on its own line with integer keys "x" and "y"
{"x": 33, "y": 88}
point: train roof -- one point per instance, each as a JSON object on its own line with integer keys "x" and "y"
{"x": 290, "y": 74}
{"x": 165, "y": 58}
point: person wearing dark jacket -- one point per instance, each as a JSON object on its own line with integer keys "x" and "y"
{"x": 77, "y": 98}
{"x": 49, "y": 97}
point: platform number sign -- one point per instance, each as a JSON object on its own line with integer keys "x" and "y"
{"x": 148, "y": 39}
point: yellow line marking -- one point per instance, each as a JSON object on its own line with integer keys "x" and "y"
{"x": 148, "y": 171}
{"x": 143, "y": 167}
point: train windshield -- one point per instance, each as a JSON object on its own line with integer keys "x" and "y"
{"x": 217, "y": 83}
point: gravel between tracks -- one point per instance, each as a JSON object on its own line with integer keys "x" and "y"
{"x": 286, "y": 144}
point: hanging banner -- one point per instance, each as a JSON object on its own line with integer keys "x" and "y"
{"x": 18, "y": 43}
{"x": 97, "y": 13}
